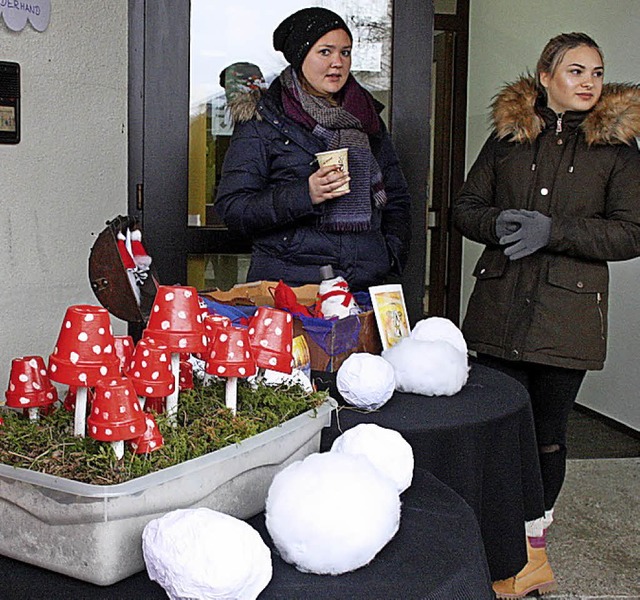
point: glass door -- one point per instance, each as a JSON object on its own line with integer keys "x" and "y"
{"x": 183, "y": 56}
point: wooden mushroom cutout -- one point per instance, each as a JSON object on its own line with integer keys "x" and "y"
{"x": 115, "y": 414}
{"x": 29, "y": 386}
{"x": 230, "y": 357}
{"x": 84, "y": 354}
{"x": 176, "y": 321}
{"x": 271, "y": 339}
{"x": 151, "y": 374}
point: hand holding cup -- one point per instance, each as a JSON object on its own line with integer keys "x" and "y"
{"x": 331, "y": 180}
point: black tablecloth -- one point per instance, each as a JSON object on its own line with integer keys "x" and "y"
{"x": 481, "y": 443}
{"x": 437, "y": 554}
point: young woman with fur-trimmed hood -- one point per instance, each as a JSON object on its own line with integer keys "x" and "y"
{"x": 554, "y": 195}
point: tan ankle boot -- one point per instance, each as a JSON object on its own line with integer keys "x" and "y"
{"x": 536, "y": 576}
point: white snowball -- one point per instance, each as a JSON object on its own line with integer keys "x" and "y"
{"x": 366, "y": 380}
{"x": 439, "y": 329}
{"x": 428, "y": 368}
{"x": 204, "y": 554}
{"x": 331, "y": 513}
{"x": 387, "y": 450}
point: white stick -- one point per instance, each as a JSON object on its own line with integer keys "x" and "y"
{"x": 34, "y": 414}
{"x": 80, "y": 416}
{"x": 172, "y": 399}
{"x": 231, "y": 394}
{"x": 118, "y": 448}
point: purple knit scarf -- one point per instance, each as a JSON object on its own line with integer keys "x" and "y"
{"x": 347, "y": 125}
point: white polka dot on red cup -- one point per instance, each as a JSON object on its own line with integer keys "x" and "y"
{"x": 82, "y": 336}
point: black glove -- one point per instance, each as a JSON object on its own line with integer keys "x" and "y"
{"x": 505, "y": 224}
{"x": 534, "y": 233}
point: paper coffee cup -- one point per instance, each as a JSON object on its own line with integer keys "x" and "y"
{"x": 339, "y": 157}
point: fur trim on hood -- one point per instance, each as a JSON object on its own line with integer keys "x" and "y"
{"x": 244, "y": 106}
{"x": 615, "y": 119}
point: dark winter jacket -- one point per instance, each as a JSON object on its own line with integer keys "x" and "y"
{"x": 264, "y": 196}
{"x": 551, "y": 307}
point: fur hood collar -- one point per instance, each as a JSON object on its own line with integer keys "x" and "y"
{"x": 244, "y": 106}
{"x": 615, "y": 119}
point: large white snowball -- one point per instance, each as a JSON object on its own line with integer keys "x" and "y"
{"x": 436, "y": 329}
{"x": 387, "y": 450}
{"x": 204, "y": 554}
{"x": 428, "y": 368}
{"x": 331, "y": 513}
{"x": 366, "y": 380}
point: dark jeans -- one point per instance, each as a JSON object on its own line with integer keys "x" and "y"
{"x": 553, "y": 391}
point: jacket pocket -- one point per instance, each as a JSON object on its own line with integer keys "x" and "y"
{"x": 571, "y": 312}
{"x": 579, "y": 277}
{"x": 491, "y": 264}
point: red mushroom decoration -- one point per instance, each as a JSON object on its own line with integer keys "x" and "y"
{"x": 84, "y": 354}
{"x": 69, "y": 402}
{"x": 211, "y": 325}
{"x": 230, "y": 357}
{"x": 29, "y": 386}
{"x": 176, "y": 321}
{"x": 123, "y": 346}
{"x": 186, "y": 375}
{"x": 271, "y": 338}
{"x": 115, "y": 414}
{"x": 151, "y": 374}
{"x": 150, "y": 440}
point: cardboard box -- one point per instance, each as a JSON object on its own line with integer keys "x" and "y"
{"x": 358, "y": 333}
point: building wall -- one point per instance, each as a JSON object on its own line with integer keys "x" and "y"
{"x": 506, "y": 37}
{"x": 68, "y": 174}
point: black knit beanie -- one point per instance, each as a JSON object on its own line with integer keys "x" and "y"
{"x": 295, "y": 36}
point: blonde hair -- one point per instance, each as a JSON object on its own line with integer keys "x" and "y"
{"x": 556, "y": 48}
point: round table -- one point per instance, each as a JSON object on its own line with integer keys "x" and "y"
{"x": 481, "y": 443}
{"x": 437, "y": 554}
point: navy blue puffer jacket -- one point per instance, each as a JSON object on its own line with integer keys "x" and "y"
{"x": 264, "y": 196}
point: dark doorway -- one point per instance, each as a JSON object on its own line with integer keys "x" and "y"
{"x": 159, "y": 136}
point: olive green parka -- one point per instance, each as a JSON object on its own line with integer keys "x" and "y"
{"x": 583, "y": 170}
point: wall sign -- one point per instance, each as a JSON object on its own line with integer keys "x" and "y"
{"x": 16, "y": 13}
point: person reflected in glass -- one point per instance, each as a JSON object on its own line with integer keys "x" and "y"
{"x": 272, "y": 190}
{"x": 553, "y": 195}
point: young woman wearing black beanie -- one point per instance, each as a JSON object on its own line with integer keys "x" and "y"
{"x": 272, "y": 190}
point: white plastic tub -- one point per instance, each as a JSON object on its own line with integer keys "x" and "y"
{"x": 93, "y": 532}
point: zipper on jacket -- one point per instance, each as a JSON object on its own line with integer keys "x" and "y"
{"x": 559, "y": 123}
{"x": 599, "y": 301}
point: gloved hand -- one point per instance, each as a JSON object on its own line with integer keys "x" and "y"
{"x": 505, "y": 224}
{"x": 534, "y": 233}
